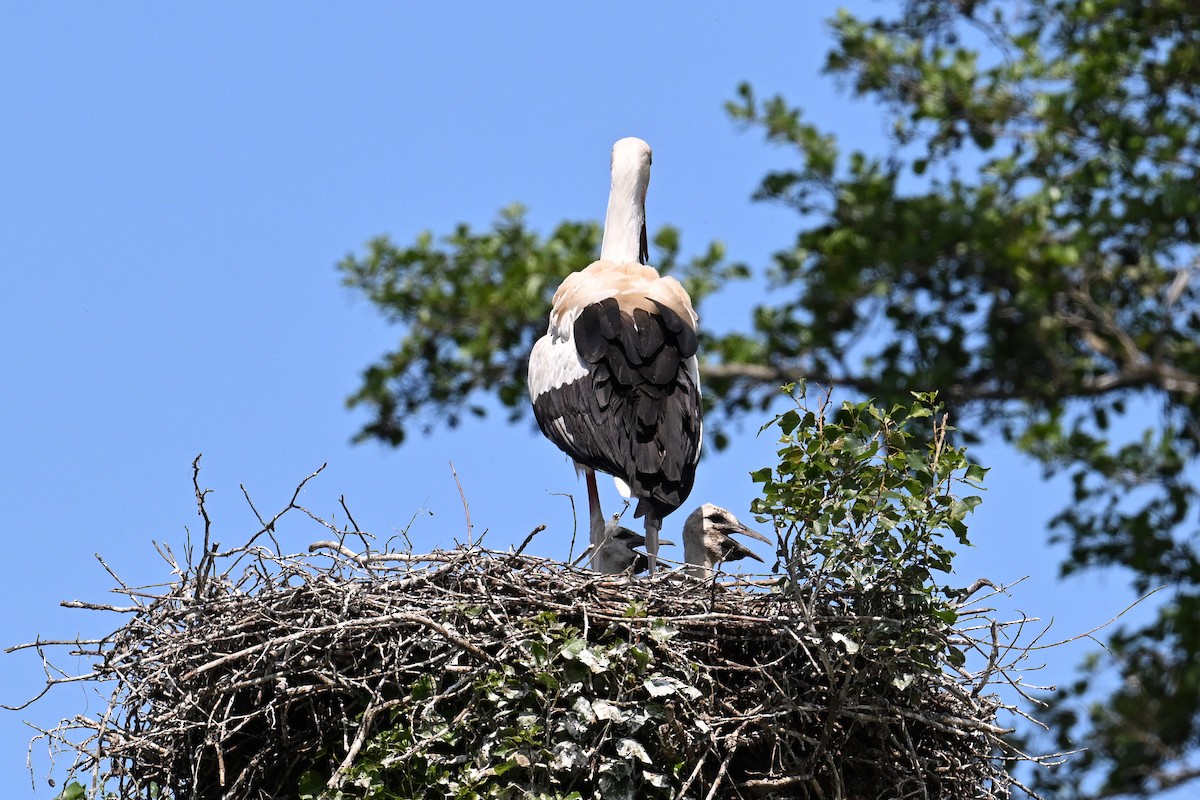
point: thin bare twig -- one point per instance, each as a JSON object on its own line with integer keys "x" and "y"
{"x": 466, "y": 507}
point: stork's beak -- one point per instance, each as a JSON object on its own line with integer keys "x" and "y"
{"x": 637, "y": 540}
{"x": 753, "y": 534}
{"x": 746, "y": 551}
{"x": 739, "y": 550}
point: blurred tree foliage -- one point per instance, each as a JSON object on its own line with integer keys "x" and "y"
{"x": 1028, "y": 246}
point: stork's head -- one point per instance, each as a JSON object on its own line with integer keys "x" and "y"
{"x": 708, "y": 540}
{"x": 617, "y": 552}
{"x": 625, "y": 239}
{"x": 631, "y": 156}
{"x": 631, "y": 171}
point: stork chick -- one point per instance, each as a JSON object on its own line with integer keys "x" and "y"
{"x": 614, "y": 551}
{"x": 708, "y": 540}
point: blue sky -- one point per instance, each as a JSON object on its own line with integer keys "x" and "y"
{"x": 176, "y": 186}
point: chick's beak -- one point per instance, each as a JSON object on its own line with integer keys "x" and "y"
{"x": 735, "y": 527}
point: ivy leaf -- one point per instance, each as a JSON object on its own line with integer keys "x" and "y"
{"x": 847, "y": 644}
{"x": 631, "y": 748}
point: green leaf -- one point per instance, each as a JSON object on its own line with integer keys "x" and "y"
{"x": 663, "y": 631}
{"x": 573, "y": 647}
{"x": 75, "y": 791}
{"x": 975, "y": 474}
{"x": 631, "y": 748}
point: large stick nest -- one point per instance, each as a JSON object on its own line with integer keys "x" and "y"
{"x": 260, "y": 675}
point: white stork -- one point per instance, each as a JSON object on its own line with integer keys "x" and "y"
{"x": 614, "y": 381}
{"x": 708, "y": 540}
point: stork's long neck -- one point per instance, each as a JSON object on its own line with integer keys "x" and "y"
{"x": 697, "y": 558}
{"x": 625, "y": 222}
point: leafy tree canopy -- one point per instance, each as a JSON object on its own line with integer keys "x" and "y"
{"x": 1027, "y": 245}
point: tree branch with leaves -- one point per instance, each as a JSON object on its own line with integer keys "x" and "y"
{"x": 1026, "y": 244}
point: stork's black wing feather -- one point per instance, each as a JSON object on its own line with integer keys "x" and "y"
{"x": 636, "y": 413}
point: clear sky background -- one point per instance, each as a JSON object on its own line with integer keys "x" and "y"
{"x": 177, "y": 184}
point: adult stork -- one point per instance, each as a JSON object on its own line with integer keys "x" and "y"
{"x": 614, "y": 381}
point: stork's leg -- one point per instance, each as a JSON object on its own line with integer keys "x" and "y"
{"x": 653, "y": 525}
{"x": 595, "y": 515}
